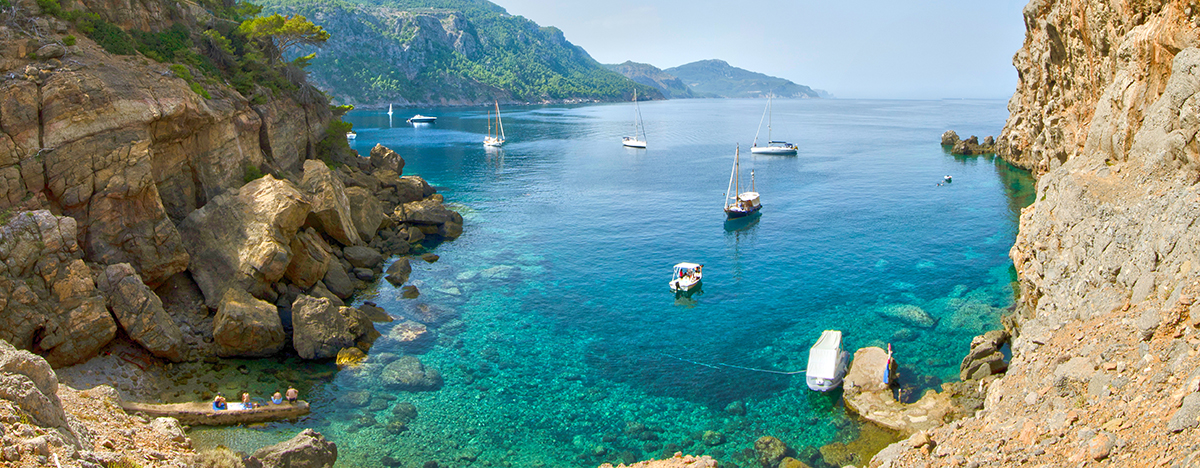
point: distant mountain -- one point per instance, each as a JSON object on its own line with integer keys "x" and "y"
{"x": 720, "y": 79}
{"x": 650, "y": 75}
{"x": 448, "y": 52}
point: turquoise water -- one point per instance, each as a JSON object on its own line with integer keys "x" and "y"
{"x": 569, "y": 350}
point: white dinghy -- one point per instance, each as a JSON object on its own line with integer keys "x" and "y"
{"x": 827, "y": 362}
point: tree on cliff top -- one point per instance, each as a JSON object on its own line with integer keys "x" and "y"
{"x": 284, "y": 31}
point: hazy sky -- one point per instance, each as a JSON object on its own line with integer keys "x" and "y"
{"x": 853, "y": 49}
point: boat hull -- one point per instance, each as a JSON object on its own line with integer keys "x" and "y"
{"x": 685, "y": 285}
{"x": 634, "y": 144}
{"x": 773, "y": 150}
{"x": 735, "y": 214}
{"x": 422, "y": 120}
{"x": 492, "y": 142}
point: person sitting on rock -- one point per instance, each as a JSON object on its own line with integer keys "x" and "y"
{"x": 292, "y": 395}
{"x": 276, "y": 399}
{"x": 219, "y": 403}
{"x": 246, "y": 403}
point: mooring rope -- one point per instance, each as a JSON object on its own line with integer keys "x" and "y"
{"x": 714, "y": 366}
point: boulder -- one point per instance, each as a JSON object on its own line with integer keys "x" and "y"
{"x": 338, "y": 281}
{"x": 242, "y": 238}
{"x": 330, "y": 206}
{"x": 413, "y": 235}
{"x": 247, "y": 326}
{"x": 310, "y": 259}
{"x": 412, "y": 188}
{"x": 51, "y": 51}
{"x": 365, "y": 211}
{"x": 321, "y": 329}
{"x": 428, "y": 211}
{"x": 383, "y": 157}
{"x": 769, "y": 451}
{"x": 908, "y": 314}
{"x": 374, "y": 313}
{"x": 29, "y": 384}
{"x": 985, "y": 357}
{"x": 140, "y": 312}
{"x": 363, "y": 257}
{"x": 399, "y": 271}
{"x": 169, "y": 428}
{"x": 949, "y": 138}
{"x": 308, "y": 449}
{"x": 48, "y": 299}
{"x": 409, "y": 374}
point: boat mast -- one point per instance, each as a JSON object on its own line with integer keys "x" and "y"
{"x": 732, "y": 176}
{"x": 769, "y": 116}
{"x": 499, "y": 123}
{"x": 752, "y": 189}
{"x": 489, "y": 124}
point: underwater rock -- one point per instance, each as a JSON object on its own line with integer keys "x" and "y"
{"x": 404, "y": 412}
{"x": 770, "y": 450}
{"x": 430, "y": 257}
{"x": 350, "y": 357}
{"x": 431, "y": 315}
{"x": 409, "y": 292}
{"x": 408, "y": 373}
{"x": 712, "y": 438}
{"x": 907, "y": 313}
{"x": 736, "y": 408}
{"x": 500, "y": 273}
{"x": 410, "y": 336}
{"x": 789, "y": 462}
{"x": 375, "y": 313}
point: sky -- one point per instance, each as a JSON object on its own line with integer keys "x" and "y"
{"x": 888, "y": 49}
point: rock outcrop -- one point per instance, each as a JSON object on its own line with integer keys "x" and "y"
{"x": 1105, "y": 343}
{"x": 140, "y": 312}
{"x": 49, "y": 301}
{"x": 321, "y": 329}
{"x": 867, "y": 390}
{"x": 309, "y": 449}
{"x": 678, "y": 461}
{"x": 247, "y": 326}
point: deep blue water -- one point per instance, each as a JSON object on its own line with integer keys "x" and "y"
{"x": 571, "y": 351}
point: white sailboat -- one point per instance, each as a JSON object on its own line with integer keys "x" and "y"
{"x": 498, "y": 139}
{"x": 773, "y": 147}
{"x": 740, "y": 204}
{"x": 389, "y": 110}
{"x": 638, "y": 128}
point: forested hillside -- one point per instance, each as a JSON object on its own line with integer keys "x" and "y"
{"x": 448, "y": 52}
{"x": 717, "y": 78}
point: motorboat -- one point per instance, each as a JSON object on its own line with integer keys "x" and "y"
{"x": 638, "y": 140}
{"x": 739, "y": 204}
{"x": 422, "y": 119}
{"x": 686, "y": 277}
{"x": 827, "y": 362}
{"x": 948, "y": 179}
{"x": 497, "y": 139}
{"x": 351, "y": 135}
{"x": 773, "y": 147}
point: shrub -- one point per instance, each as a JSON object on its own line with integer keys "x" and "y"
{"x": 252, "y": 172}
{"x": 68, "y": 40}
{"x": 199, "y": 89}
{"x": 50, "y": 7}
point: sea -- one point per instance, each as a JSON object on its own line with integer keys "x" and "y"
{"x": 569, "y": 349}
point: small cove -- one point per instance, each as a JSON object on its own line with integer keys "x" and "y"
{"x": 568, "y": 350}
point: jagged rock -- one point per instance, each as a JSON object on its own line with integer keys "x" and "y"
{"x": 413, "y": 235}
{"x": 242, "y": 238}
{"x": 319, "y": 290}
{"x": 169, "y": 428}
{"x": 428, "y": 211}
{"x": 949, "y": 138}
{"x": 384, "y": 158}
{"x": 321, "y": 329}
{"x": 409, "y": 374}
{"x": 247, "y": 326}
{"x": 1188, "y": 415}
{"x": 28, "y": 382}
{"x": 985, "y": 357}
{"x": 769, "y": 451}
{"x": 338, "y": 282}
{"x": 308, "y": 449}
{"x": 330, "y": 206}
{"x": 374, "y": 313}
{"x": 366, "y": 212}
{"x": 412, "y": 188}
{"x": 47, "y": 295}
{"x": 310, "y": 259}
{"x": 140, "y": 312}
{"x": 363, "y": 257}
{"x": 908, "y": 314}
{"x": 398, "y": 271}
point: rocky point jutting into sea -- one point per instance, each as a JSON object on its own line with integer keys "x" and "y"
{"x": 135, "y": 202}
{"x": 1105, "y": 365}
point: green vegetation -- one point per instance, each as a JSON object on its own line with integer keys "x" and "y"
{"x": 334, "y": 142}
{"x": 716, "y": 78}
{"x": 68, "y": 40}
{"x": 284, "y": 32}
{"x": 436, "y": 51}
{"x": 251, "y": 172}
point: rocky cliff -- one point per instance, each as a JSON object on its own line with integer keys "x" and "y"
{"x": 1105, "y": 353}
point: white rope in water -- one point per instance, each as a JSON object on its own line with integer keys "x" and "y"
{"x": 714, "y": 366}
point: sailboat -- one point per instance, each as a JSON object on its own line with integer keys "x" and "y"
{"x": 638, "y": 128}
{"x": 499, "y": 138}
{"x": 740, "y": 204}
{"x": 389, "y": 110}
{"x": 773, "y": 147}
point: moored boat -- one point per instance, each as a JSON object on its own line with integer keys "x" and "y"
{"x": 422, "y": 119}
{"x": 498, "y": 139}
{"x": 740, "y": 204}
{"x": 827, "y": 362}
{"x": 773, "y": 147}
{"x": 638, "y": 140}
{"x": 351, "y": 135}
{"x": 687, "y": 277}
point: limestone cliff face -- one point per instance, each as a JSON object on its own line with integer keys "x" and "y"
{"x": 1105, "y": 361}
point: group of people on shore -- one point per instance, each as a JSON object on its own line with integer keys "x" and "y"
{"x": 219, "y": 402}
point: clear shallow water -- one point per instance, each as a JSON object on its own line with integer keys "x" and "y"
{"x": 570, "y": 350}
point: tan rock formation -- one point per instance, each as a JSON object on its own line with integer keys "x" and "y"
{"x": 1106, "y": 352}
{"x": 868, "y": 392}
{"x": 321, "y": 329}
{"x": 678, "y": 461}
{"x": 247, "y": 326}
{"x": 140, "y": 312}
{"x": 243, "y": 237}
{"x": 330, "y": 206}
{"x": 49, "y": 301}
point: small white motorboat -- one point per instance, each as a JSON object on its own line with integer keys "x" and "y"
{"x": 351, "y": 135}
{"x": 827, "y": 362}
{"x": 687, "y": 277}
{"x": 422, "y": 119}
{"x": 948, "y": 179}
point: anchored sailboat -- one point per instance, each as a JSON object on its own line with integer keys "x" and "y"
{"x": 773, "y": 147}
{"x": 638, "y": 128}
{"x": 498, "y": 139}
{"x": 389, "y": 110}
{"x": 740, "y": 204}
